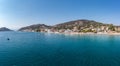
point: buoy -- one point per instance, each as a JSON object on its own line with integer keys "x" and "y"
{"x": 8, "y": 39}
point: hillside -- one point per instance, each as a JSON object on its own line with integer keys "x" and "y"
{"x": 79, "y": 23}
{"x": 34, "y": 27}
{"x": 4, "y": 29}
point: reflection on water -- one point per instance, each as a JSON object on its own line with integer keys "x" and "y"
{"x": 43, "y": 49}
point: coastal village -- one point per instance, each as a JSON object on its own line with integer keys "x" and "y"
{"x": 75, "y": 30}
{"x": 95, "y": 28}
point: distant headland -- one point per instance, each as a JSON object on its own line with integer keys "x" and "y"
{"x": 5, "y": 29}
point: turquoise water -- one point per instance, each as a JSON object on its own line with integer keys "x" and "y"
{"x": 42, "y": 49}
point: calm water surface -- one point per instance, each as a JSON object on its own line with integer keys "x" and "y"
{"x": 43, "y": 49}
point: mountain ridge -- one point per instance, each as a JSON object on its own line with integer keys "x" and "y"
{"x": 34, "y": 26}
{"x": 5, "y": 29}
{"x": 83, "y": 23}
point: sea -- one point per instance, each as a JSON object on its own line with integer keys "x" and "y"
{"x": 49, "y": 49}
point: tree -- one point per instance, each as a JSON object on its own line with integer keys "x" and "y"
{"x": 111, "y": 27}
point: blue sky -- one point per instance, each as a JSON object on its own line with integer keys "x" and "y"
{"x": 18, "y": 13}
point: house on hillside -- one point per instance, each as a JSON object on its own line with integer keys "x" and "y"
{"x": 68, "y": 31}
{"x": 104, "y": 28}
{"x": 75, "y": 29}
{"x": 117, "y": 28}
